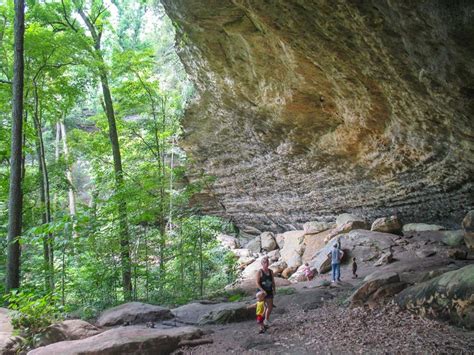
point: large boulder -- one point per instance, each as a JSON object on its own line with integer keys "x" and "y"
{"x": 227, "y": 313}
{"x": 250, "y": 230}
{"x": 133, "y": 313}
{"x": 313, "y": 243}
{"x": 268, "y": 242}
{"x": 468, "y": 227}
{"x": 245, "y": 261}
{"x": 254, "y": 245}
{"x": 448, "y": 297}
{"x": 219, "y": 313}
{"x": 295, "y": 261}
{"x": 346, "y": 218}
{"x": 458, "y": 254}
{"x": 228, "y": 241}
{"x": 305, "y": 299}
{"x": 274, "y": 255}
{"x": 315, "y": 227}
{"x": 375, "y": 287}
{"x": 350, "y": 226}
{"x": 421, "y": 227}
{"x": 132, "y": 340}
{"x": 73, "y": 329}
{"x": 345, "y": 228}
{"x": 293, "y": 248}
{"x": 191, "y": 313}
{"x": 386, "y": 258}
{"x": 278, "y": 267}
{"x": 280, "y": 239}
{"x": 288, "y": 272}
{"x": 453, "y": 238}
{"x": 361, "y": 244}
{"x": 390, "y": 224}
{"x": 241, "y": 253}
{"x": 250, "y": 271}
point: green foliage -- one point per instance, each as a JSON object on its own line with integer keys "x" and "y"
{"x": 31, "y": 313}
{"x": 175, "y": 256}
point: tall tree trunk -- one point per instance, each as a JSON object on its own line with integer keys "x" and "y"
{"x": 57, "y": 142}
{"x": 170, "y": 212}
{"x": 201, "y": 269}
{"x": 15, "y": 197}
{"x": 122, "y": 206}
{"x": 44, "y": 193}
{"x": 96, "y": 35}
{"x": 71, "y": 195}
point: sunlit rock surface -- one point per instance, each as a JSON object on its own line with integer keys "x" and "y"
{"x": 307, "y": 109}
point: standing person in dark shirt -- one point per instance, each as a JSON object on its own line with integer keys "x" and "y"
{"x": 266, "y": 283}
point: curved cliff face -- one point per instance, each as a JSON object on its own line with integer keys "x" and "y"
{"x": 307, "y": 109}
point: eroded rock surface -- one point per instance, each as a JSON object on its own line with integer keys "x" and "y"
{"x": 133, "y": 313}
{"x": 9, "y": 344}
{"x": 307, "y": 109}
{"x": 449, "y": 296}
{"x": 136, "y": 340}
{"x": 468, "y": 227}
{"x": 73, "y": 329}
{"x": 219, "y": 313}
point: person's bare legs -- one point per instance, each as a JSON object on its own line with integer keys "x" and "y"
{"x": 268, "y": 308}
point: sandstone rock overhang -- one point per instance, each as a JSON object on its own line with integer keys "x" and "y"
{"x": 306, "y": 109}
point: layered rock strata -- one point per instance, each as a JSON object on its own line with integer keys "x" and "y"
{"x": 306, "y": 109}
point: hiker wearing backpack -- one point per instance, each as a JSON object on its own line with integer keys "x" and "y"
{"x": 336, "y": 257}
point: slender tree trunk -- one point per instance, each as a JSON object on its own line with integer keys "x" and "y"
{"x": 122, "y": 206}
{"x": 96, "y": 35}
{"x": 181, "y": 263}
{"x": 44, "y": 194}
{"x": 57, "y": 142}
{"x": 15, "y": 198}
{"x": 71, "y": 195}
{"x": 170, "y": 216}
{"x": 93, "y": 222}
{"x": 147, "y": 272}
{"x": 201, "y": 270}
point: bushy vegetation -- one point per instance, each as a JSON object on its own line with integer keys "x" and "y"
{"x": 94, "y": 235}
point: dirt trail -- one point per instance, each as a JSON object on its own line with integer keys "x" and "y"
{"x": 335, "y": 328}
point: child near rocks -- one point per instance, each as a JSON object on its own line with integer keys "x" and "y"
{"x": 308, "y": 273}
{"x": 260, "y": 310}
{"x": 354, "y": 268}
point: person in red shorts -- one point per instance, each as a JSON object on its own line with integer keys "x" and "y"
{"x": 260, "y": 310}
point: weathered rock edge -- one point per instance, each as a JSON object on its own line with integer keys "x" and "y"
{"x": 132, "y": 340}
{"x": 449, "y": 297}
{"x": 306, "y": 109}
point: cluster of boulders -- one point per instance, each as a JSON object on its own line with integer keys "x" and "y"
{"x": 135, "y": 328}
{"x": 392, "y": 256}
{"x": 368, "y": 243}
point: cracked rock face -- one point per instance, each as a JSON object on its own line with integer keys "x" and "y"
{"x": 307, "y": 109}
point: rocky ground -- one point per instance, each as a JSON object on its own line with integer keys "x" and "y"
{"x": 406, "y": 274}
{"x": 335, "y": 328}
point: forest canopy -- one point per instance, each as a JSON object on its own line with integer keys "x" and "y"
{"x": 105, "y": 189}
